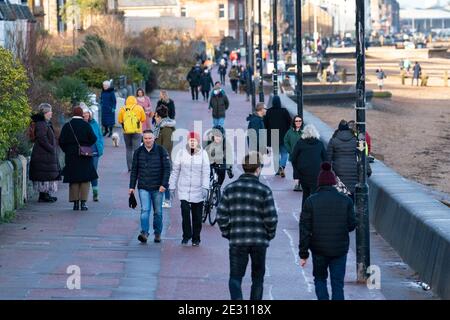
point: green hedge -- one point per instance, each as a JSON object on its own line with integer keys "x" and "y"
{"x": 14, "y": 108}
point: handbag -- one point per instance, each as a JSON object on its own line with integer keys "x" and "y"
{"x": 83, "y": 151}
{"x": 340, "y": 187}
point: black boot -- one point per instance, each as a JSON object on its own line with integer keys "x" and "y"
{"x": 83, "y": 206}
{"x": 76, "y": 205}
{"x": 110, "y": 132}
{"x": 45, "y": 197}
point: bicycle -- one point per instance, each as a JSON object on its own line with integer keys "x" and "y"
{"x": 213, "y": 197}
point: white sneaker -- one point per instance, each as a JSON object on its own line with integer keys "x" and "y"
{"x": 166, "y": 204}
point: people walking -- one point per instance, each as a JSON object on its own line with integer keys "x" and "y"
{"x": 417, "y": 71}
{"x": 131, "y": 117}
{"x": 151, "y": 171}
{"x": 146, "y": 104}
{"x": 79, "y": 169}
{"x": 164, "y": 100}
{"x": 164, "y": 128}
{"x": 108, "y": 108}
{"x": 190, "y": 177}
{"x": 256, "y": 135}
{"x": 326, "y": 220}
{"x": 219, "y": 104}
{"x": 44, "y": 164}
{"x": 380, "y": 77}
{"x": 341, "y": 152}
{"x": 290, "y": 140}
{"x": 309, "y": 152}
{"x": 234, "y": 78}
{"x": 206, "y": 83}
{"x": 222, "y": 70}
{"x": 247, "y": 217}
{"x": 277, "y": 121}
{"x": 193, "y": 77}
{"x": 97, "y": 147}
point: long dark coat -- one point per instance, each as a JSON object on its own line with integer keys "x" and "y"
{"x": 44, "y": 165}
{"x": 77, "y": 169}
{"x": 306, "y": 158}
{"x": 342, "y": 155}
{"x": 277, "y": 118}
{"x": 108, "y": 104}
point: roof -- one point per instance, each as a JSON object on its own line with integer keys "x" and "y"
{"x": 424, "y": 14}
{"x": 6, "y": 12}
{"x": 146, "y": 3}
{"x": 12, "y": 12}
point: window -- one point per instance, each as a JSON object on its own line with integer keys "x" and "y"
{"x": 232, "y": 33}
{"x": 231, "y": 15}
{"x": 241, "y": 11}
{"x": 241, "y": 36}
{"x": 221, "y": 11}
{"x": 183, "y": 11}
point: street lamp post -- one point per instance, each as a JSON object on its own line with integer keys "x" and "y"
{"x": 261, "y": 84}
{"x": 252, "y": 57}
{"x": 275, "y": 48}
{"x": 362, "y": 188}
{"x": 299, "y": 87}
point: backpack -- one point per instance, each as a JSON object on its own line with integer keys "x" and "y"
{"x": 131, "y": 123}
{"x": 31, "y": 132}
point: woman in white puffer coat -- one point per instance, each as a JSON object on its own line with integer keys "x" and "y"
{"x": 190, "y": 176}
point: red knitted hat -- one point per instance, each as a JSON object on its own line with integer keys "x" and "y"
{"x": 326, "y": 175}
{"x": 194, "y": 135}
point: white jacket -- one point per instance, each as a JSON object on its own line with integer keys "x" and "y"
{"x": 190, "y": 173}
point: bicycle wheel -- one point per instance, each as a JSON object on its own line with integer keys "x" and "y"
{"x": 215, "y": 201}
{"x": 207, "y": 206}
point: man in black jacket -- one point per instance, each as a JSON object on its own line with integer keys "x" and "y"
{"x": 193, "y": 77}
{"x": 326, "y": 220}
{"x": 151, "y": 170}
{"x": 278, "y": 121}
{"x": 256, "y": 135}
{"x": 248, "y": 218}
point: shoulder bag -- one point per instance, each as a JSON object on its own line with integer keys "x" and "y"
{"x": 83, "y": 151}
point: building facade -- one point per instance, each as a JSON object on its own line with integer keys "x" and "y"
{"x": 385, "y": 15}
{"x": 16, "y": 23}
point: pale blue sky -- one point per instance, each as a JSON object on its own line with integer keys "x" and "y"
{"x": 417, "y": 3}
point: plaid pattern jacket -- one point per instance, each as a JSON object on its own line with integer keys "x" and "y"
{"x": 246, "y": 214}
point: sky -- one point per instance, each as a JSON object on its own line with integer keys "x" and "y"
{"x": 417, "y": 3}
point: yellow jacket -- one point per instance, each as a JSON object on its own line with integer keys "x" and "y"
{"x": 131, "y": 102}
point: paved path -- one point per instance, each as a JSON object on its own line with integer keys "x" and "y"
{"x": 44, "y": 239}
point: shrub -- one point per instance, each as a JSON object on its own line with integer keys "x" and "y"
{"x": 72, "y": 90}
{"x": 141, "y": 65}
{"x": 93, "y": 77}
{"x": 14, "y": 108}
{"x": 54, "y": 70}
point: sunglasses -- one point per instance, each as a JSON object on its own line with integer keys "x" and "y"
{"x": 298, "y": 121}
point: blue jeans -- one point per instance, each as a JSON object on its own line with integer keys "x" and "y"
{"x": 321, "y": 264}
{"x": 151, "y": 199}
{"x": 238, "y": 263}
{"x": 219, "y": 122}
{"x": 94, "y": 183}
{"x": 283, "y": 156}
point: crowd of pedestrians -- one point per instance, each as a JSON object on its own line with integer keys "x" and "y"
{"x": 246, "y": 214}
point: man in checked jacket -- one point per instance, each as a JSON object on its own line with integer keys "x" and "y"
{"x": 247, "y": 217}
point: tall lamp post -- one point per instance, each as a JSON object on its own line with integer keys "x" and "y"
{"x": 298, "y": 38}
{"x": 252, "y": 54}
{"x": 275, "y": 48}
{"x": 261, "y": 85}
{"x": 362, "y": 188}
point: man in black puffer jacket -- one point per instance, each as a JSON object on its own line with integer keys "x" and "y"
{"x": 151, "y": 171}
{"x": 326, "y": 220}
